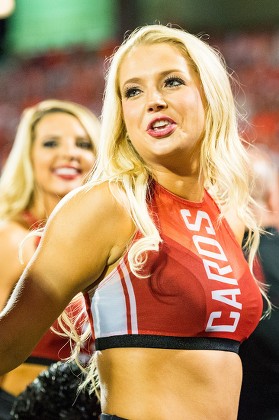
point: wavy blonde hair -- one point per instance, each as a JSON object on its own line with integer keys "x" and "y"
{"x": 17, "y": 181}
{"x": 223, "y": 158}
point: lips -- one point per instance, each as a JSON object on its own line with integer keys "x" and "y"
{"x": 67, "y": 173}
{"x": 161, "y": 127}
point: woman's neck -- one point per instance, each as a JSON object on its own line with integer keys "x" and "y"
{"x": 189, "y": 187}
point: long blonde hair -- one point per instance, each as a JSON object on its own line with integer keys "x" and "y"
{"x": 17, "y": 179}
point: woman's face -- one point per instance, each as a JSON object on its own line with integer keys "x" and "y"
{"x": 163, "y": 106}
{"x": 62, "y": 154}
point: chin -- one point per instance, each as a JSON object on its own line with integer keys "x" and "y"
{"x": 61, "y": 193}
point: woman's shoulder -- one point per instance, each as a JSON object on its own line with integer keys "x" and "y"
{"x": 91, "y": 226}
{"x": 94, "y": 213}
{"x": 95, "y": 201}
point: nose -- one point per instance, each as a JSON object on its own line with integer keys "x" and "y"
{"x": 156, "y": 102}
{"x": 70, "y": 151}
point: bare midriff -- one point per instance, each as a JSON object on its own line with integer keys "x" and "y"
{"x": 163, "y": 384}
{"x": 15, "y": 381}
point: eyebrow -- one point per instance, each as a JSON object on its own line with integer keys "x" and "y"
{"x": 162, "y": 74}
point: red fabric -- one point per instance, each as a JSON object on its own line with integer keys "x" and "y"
{"x": 55, "y": 347}
{"x": 200, "y": 285}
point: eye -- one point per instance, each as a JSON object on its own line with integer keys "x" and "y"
{"x": 84, "y": 144}
{"x": 130, "y": 92}
{"x": 50, "y": 143}
{"x": 174, "y": 81}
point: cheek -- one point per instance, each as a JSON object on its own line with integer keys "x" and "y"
{"x": 41, "y": 174}
{"x": 41, "y": 154}
{"x": 130, "y": 115}
{"x": 92, "y": 159}
{"x": 201, "y": 118}
{"x": 199, "y": 113}
{"x": 88, "y": 159}
{"x": 40, "y": 167}
{"x": 40, "y": 161}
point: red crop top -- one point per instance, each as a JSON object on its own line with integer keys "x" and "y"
{"x": 200, "y": 294}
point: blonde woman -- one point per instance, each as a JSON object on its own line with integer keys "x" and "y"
{"x": 54, "y": 149}
{"x": 154, "y": 240}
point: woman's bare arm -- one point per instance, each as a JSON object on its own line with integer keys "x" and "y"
{"x": 11, "y": 236}
{"x": 87, "y": 233}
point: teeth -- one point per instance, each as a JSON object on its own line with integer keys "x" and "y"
{"x": 160, "y": 123}
{"x": 66, "y": 171}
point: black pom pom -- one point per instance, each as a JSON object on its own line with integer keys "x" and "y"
{"x": 53, "y": 395}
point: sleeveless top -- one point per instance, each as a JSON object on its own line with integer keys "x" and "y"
{"x": 200, "y": 293}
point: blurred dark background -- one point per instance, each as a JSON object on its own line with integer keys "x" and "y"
{"x": 57, "y": 49}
